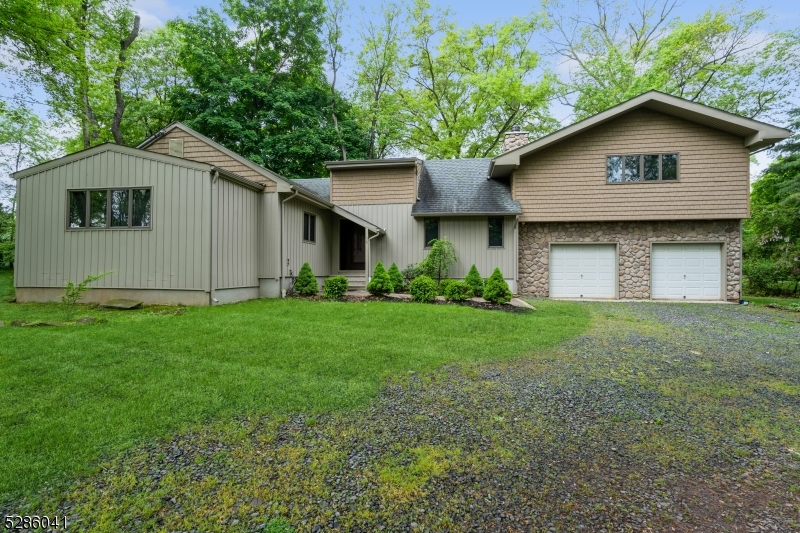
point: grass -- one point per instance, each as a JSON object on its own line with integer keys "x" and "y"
{"x": 72, "y": 395}
{"x": 766, "y": 300}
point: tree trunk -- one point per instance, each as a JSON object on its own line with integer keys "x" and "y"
{"x": 120, "y": 101}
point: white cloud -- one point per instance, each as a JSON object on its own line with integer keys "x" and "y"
{"x": 155, "y": 12}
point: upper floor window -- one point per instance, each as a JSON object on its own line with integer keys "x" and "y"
{"x": 109, "y": 208}
{"x": 495, "y": 232}
{"x": 431, "y": 230}
{"x": 644, "y": 167}
{"x": 309, "y": 227}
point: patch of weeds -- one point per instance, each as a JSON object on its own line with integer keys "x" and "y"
{"x": 782, "y": 386}
{"x": 279, "y": 525}
{"x": 403, "y": 477}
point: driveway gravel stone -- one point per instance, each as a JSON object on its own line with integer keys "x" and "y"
{"x": 661, "y": 417}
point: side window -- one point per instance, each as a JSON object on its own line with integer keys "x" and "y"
{"x": 309, "y": 227}
{"x": 641, "y": 168}
{"x": 495, "y": 232}
{"x": 431, "y": 230}
{"x": 109, "y": 208}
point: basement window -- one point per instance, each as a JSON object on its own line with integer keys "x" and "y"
{"x": 120, "y": 208}
{"x": 641, "y": 168}
{"x": 309, "y": 228}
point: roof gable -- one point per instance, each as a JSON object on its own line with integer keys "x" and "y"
{"x": 755, "y": 134}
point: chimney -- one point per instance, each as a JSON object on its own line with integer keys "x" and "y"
{"x": 515, "y": 138}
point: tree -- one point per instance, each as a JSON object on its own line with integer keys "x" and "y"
{"x": 474, "y": 280}
{"x": 440, "y": 258}
{"x": 77, "y": 50}
{"x": 466, "y": 88}
{"x": 722, "y": 59}
{"x": 772, "y": 235}
{"x": 335, "y": 55}
{"x": 306, "y": 282}
{"x": 376, "y": 78}
{"x": 259, "y": 96}
{"x": 380, "y": 282}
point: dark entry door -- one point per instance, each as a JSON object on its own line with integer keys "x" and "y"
{"x": 352, "y": 249}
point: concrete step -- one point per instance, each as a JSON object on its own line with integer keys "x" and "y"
{"x": 356, "y": 279}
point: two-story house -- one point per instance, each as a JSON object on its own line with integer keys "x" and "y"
{"x": 644, "y": 200}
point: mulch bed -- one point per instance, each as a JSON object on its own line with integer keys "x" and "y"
{"x": 507, "y": 307}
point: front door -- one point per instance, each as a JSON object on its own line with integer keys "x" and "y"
{"x": 352, "y": 246}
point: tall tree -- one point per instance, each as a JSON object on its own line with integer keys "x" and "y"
{"x": 723, "y": 58}
{"x": 466, "y": 88}
{"x": 377, "y": 75}
{"x": 335, "y": 54}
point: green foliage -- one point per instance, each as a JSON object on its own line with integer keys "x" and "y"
{"x": 440, "y": 258}
{"x": 411, "y": 272}
{"x": 73, "y": 291}
{"x": 458, "y": 291}
{"x": 7, "y": 235}
{"x": 423, "y": 289}
{"x": 496, "y": 289}
{"x": 306, "y": 281}
{"x": 396, "y": 277}
{"x": 474, "y": 280}
{"x": 334, "y": 287}
{"x": 772, "y": 235}
{"x": 724, "y": 58}
{"x": 380, "y": 282}
{"x": 279, "y": 525}
{"x": 443, "y": 284}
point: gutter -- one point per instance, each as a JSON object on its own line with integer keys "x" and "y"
{"x": 282, "y": 277}
{"x": 450, "y": 214}
{"x": 369, "y": 257}
{"x": 763, "y": 149}
{"x": 214, "y": 209}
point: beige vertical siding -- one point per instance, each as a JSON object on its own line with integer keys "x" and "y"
{"x": 405, "y": 238}
{"x": 174, "y": 254}
{"x": 567, "y": 182}
{"x": 236, "y": 227}
{"x": 269, "y": 236}
{"x": 199, "y": 150}
{"x": 318, "y": 255}
{"x": 374, "y": 186}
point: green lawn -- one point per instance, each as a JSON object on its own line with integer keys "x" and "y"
{"x": 766, "y": 300}
{"x": 70, "y": 395}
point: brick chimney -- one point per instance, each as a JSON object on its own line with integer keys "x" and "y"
{"x": 515, "y": 138}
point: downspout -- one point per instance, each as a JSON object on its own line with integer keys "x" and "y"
{"x": 213, "y": 270}
{"x": 369, "y": 254}
{"x": 516, "y": 254}
{"x": 282, "y": 277}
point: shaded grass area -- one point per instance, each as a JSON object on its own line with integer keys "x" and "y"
{"x": 660, "y": 417}
{"x": 70, "y": 395}
{"x": 767, "y": 300}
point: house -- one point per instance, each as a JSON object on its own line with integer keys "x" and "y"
{"x": 643, "y": 201}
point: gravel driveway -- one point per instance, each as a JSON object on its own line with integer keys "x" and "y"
{"x": 662, "y": 417}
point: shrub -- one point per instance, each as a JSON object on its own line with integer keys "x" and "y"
{"x": 380, "y": 283}
{"x": 73, "y": 292}
{"x": 411, "y": 272}
{"x": 458, "y": 291}
{"x": 496, "y": 289}
{"x": 396, "y": 278}
{"x": 423, "y": 289}
{"x": 334, "y": 287}
{"x": 764, "y": 276}
{"x": 443, "y": 284}
{"x": 306, "y": 281}
{"x": 439, "y": 259}
{"x": 474, "y": 280}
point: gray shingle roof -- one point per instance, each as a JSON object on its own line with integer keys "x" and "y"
{"x": 460, "y": 186}
{"x": 318, "y": 186}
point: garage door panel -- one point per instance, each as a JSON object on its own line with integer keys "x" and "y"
{"x": 686, "y": 271}
{"x": 582, "y": 271}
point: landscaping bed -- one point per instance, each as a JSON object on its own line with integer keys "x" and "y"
{"x": 515, "y": 306}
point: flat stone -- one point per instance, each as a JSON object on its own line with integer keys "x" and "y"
{"x": 39, "y": 324}
{"x": 478, "y": 299}
{"x": 357, "y": 294}
{"x": 441, "y": 299}
{"x": 17, "y": 323}
{"x": 86, "y": 320}
{"x": 399, "y": 296}
{"x": 122, "y": 303}
{"x": 516, "y": 302}
{"x": 1, "y": 324}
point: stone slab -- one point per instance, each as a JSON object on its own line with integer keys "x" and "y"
{"x": 398, "y": 296}
{"x": 478, "y": 299}
{"x": 516, "y": 302}
{"x": 122, "y": 304}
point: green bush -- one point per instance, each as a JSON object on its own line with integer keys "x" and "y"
{"x": 496, "y": 289}
{"x": 411, "y": 272}
{"x": 279, "y": 525}
{"x": 764, "y": 276}
{"x": 458, "y": 291}
{"x": 423, "y": 289}
{"x": 380, "y": 283}
{"x": 396, "y": 278}
{"x": 334, "y": 287}
{"x": 444, "y": 284}
{"x": 474, "y": 280}
{"x": 306, "y": 281}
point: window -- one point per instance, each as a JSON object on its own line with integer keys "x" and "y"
{"x": 431, "y": 230}
{"x": 639, "y": 168}
{"x": 309, "y": 227}
{"x": 109, "y": 208}
{"x": 495, "y": 232}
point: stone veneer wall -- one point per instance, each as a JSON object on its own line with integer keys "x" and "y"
{"x": 634, "y": 240}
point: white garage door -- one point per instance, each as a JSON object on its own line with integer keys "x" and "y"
{"x": 582, "y": 271}
{"x": 687, "y": 271}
